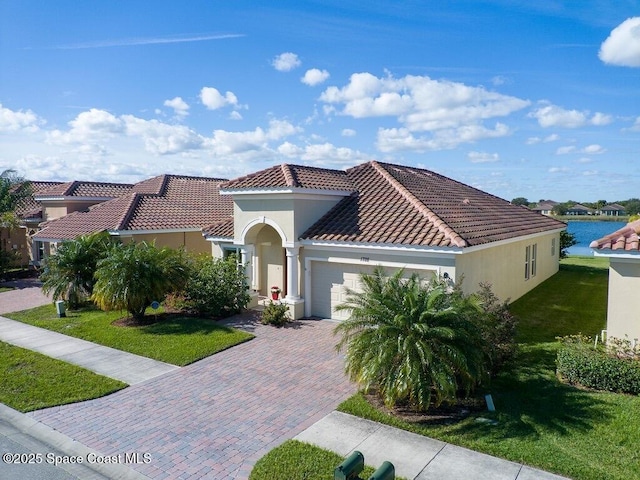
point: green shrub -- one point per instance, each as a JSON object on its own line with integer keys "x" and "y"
{"x": 216, "y": 287}
{"x": 276, "y": 314}
{"x": 580, "y": 362}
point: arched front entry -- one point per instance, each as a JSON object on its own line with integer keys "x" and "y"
{"x": 270, "y": 258}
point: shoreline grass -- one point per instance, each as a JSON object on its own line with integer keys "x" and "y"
{"x": 177, "y": 340}
{"x": 31, "y": 381}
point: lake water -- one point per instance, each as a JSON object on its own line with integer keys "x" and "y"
{"x": 587, "y": 232}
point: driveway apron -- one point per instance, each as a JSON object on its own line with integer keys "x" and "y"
{"x": 216, "y": 417}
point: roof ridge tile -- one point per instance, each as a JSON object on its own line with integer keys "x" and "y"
{"x": 288, "y": 175}
{"x": 438, "y": 222}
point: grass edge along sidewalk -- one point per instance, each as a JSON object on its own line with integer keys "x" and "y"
{"x": 31, "y": 381}
{"x": 542, "y": 422}
{"x": 172, "y": 339}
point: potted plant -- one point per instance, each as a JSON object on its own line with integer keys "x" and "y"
{"x": 275, "y": 292}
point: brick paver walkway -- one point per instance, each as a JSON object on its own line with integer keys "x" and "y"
{"x": 215, "y": 418}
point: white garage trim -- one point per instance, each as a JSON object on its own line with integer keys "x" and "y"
{"x": 352, "y": 261}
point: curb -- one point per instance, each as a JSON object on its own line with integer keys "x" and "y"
{"x": 66, "y": 445}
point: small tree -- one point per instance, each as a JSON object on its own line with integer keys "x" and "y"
{"x": 216, "y": 287}
{"x": 520, "y": 201}
{"x": 567, "y": 240}
{"x": 132, "y": 276}
{"x": 69, "y": 273}
{"x": 415, "y": 343}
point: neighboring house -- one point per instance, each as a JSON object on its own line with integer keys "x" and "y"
{"x": 545, "y": 207}
{"x": 169, "y": 209}
{"x": 29, "y": 213}
{"x": 612, "y": 210}
{"x": 622, "y": 247}
{"x": 579, "y": 209}
{"x": 63, "y": 199}
{"x": 312, "y": 231}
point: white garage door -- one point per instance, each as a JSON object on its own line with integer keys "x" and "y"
{"x": 327, "y": 286}
{"x": 329, "y": 279}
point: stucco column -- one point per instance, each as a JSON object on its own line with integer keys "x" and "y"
{"x": 292, "y": 273}
{"x": 248, "y": 263}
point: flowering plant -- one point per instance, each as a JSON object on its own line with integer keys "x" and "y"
{"x": 275, "y": 289}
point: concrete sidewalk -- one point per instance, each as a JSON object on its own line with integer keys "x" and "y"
{"x": 414, "y": 457}
{"x": 123, "y": 366}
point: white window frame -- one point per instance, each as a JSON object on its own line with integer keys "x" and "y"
{"x": 527, "y": 260}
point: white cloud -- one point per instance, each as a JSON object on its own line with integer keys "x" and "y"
{"x": 558, "y": 170}
{"x": 322, "y": 154}
{"x": 92, "y": 126}
{"x": 553, "y": 116}
{"x": 12, "y": 121}
{"x": 585, "y": 160}
{"x": 314, "y": 77}
{"x": 636, "y": 126}
{"x": 483, "y": 157}
{"x": 533, "y": 140}
{"x": 594, "y": 149}
{"x": 348, "y": 132}
{"x": 565, "y": 150}
{"x": 285, "y": 62}
{"x": 419, "y": 102}
{"x": 500, "y": 80}
{"x": 622, "y": 47}
{"x": 235, "y": 115}
{"x": 161, "y": 138}
{"x": 402, "y": 139}
{"x": 180, "y": 107}
{"x": 213, "y": 99}
{"x": 224, "y": 142}
{"x": 589, "y": 173}
{"x": 551, "y": 138}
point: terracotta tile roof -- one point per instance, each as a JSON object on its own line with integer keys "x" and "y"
{"x": 221, "y": 229}
{"x": 293, "y": 176}
{"x": 613, "y": 207}
{"x": 85, "y": 189}
{"x": 182, "y": 203}
{"x": 28, "y": 208}
{"x": 409, "y": 206}
{"x": 623, "y": 239}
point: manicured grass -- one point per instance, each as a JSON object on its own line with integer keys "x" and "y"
{"x": 5, "y": 289}
{"x": 31, "y": 381}
{"x": 541, "y": 422}
{"x": 572, "y": 301}
{"x": 299, "y": 460}
{"x": 177, "y": 340}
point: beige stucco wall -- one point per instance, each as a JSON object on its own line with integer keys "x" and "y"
{"x": 271, "y": 258}
{"x": 503, "y": 266}
{"x": 624, "y": 301}
{"x": 292, "y": 213}
{"x": 16, "y": 240}
{"x": 193, "y": 242}
{"x": 50, "y": 212}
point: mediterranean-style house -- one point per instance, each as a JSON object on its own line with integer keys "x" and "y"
{"x": 170, "y": 210}
{"x": 579, "y": 209}
{"x": 622, "y": 247}
{"x": 545, "y": 207}
{"x": 312, "y": 231}
{"x": 612, "y": 210}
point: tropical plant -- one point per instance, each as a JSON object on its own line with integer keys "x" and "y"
{"x": 413, "y": 342}
{"x": 132, "y": 276}
{"x": 13, "y": 189}
{"x": 69, "y": 273}
{"x": 215, "y": 287}
{"x": 567, "y": 240}
{"x": 276, "y": 314}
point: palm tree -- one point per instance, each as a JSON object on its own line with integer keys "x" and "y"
{"x": 132, "y": 276}
{"x": 69, "y": 273}
{"x": 413, "y": 342}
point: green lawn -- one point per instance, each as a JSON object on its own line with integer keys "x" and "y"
{"x": 178, "y": 341}
{"x": 5, "y": 289}
{"x": 542, "y": 422}
{"x": 31, "y": 381}
{"x": 299, "y": 460}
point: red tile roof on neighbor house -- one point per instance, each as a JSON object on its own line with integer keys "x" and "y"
{"x": 85, "y": 190}
{"x": 292, "y": 176}
{"x": 624, "y": 239}
{"x": 169, "y": 202}
{"x": 28, "y": 208}
{"x": 395, "y": 204}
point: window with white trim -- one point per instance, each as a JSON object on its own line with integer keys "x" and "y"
{"x": 534, "y": 260}
{"x": 527, "y": 260}
{"x": 553, "y": 247}
{"x": 530, "y": 261}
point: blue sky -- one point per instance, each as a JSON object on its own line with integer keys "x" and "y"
{"x": 518, "y": 98}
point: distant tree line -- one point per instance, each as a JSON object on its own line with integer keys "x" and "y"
{"x": 631, "y": 206}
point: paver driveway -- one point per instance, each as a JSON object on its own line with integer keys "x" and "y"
{"x": 215, "y": 418}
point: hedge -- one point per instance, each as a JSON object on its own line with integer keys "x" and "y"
{"x": 579, "y": 362}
